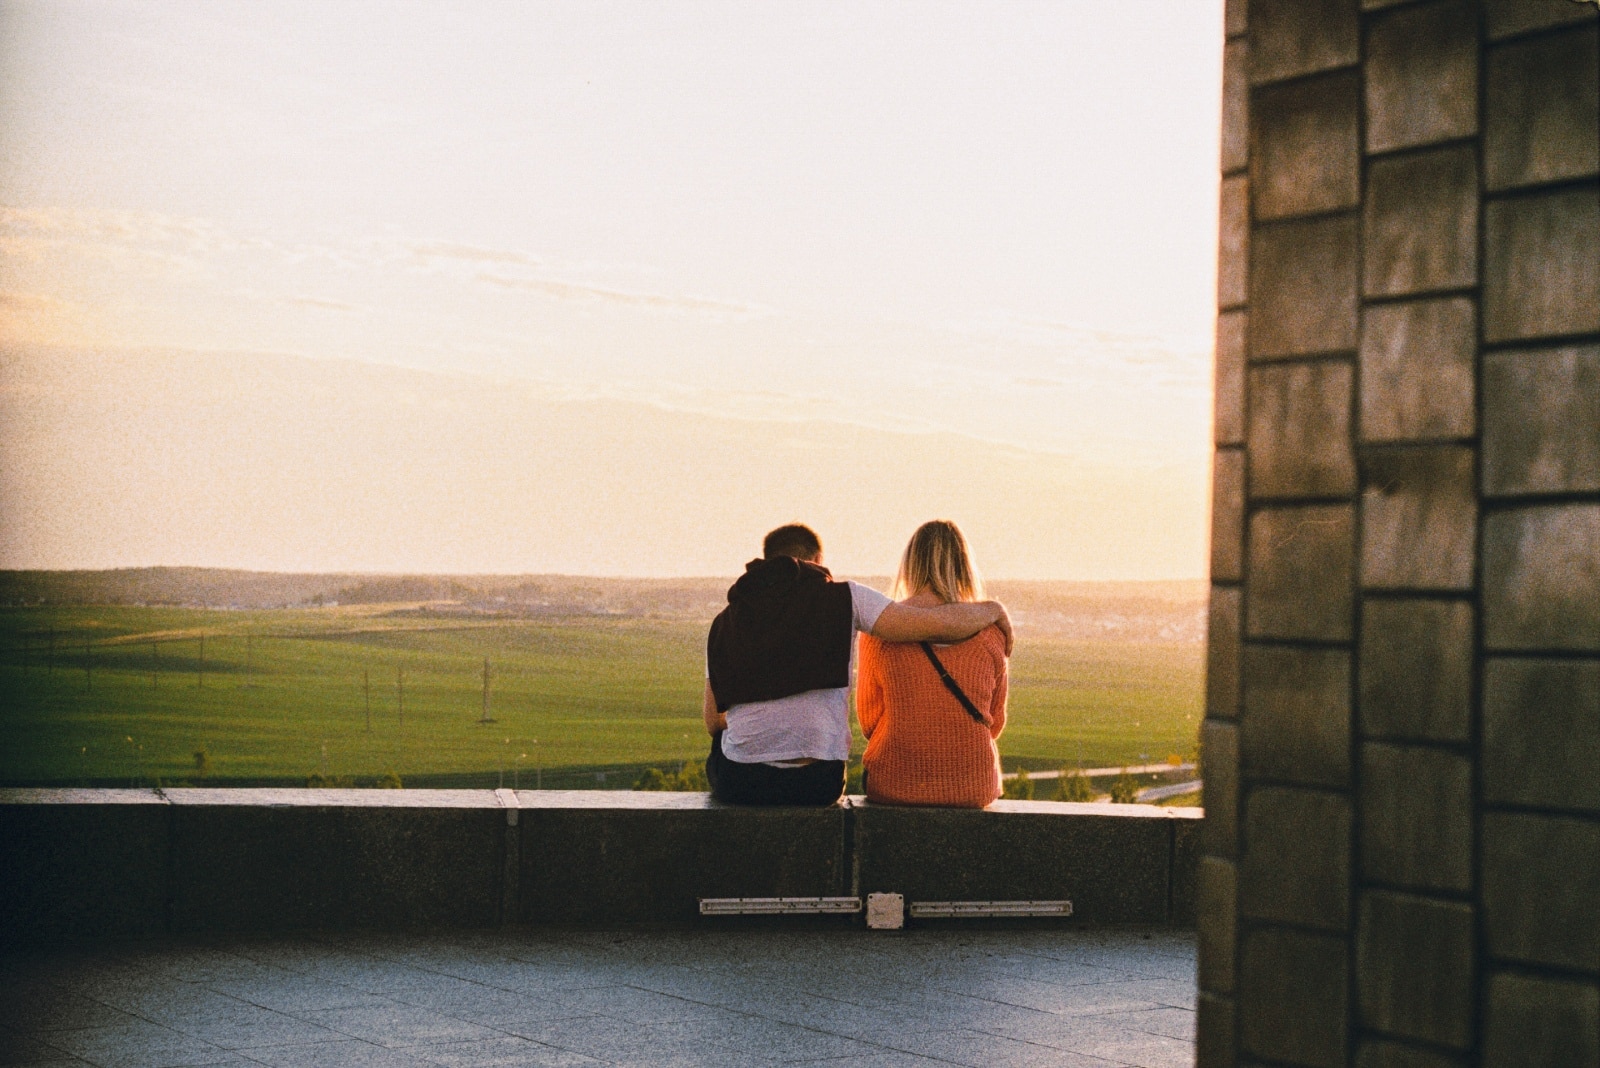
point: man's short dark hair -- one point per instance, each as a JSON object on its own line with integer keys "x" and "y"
{"x": 796, "y": 540}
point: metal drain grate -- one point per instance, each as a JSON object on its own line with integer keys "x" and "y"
{"x": 982, "y": 909}
{"x": 778, "y": 906}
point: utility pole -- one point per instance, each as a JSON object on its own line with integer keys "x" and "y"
{"x": 200, "y": 676}
{"x": 155, "y": 670}
{"x": 400, "y": 692}
{"x": 485, "y": 718}
{"x": 247, "y": 660}
{"x": 366, "y": 696}
{"x": 50, "y": 654}
{"x": 88, "y": 667}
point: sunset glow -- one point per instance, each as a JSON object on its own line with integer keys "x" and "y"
{"x": 606, "y": 289}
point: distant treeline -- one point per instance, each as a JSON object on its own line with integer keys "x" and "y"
{"x": 1137, "y": 611}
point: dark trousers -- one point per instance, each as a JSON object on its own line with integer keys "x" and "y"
{"x": 819, "y": 783}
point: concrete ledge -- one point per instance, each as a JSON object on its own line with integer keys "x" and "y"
{"x": 94, "y": 864}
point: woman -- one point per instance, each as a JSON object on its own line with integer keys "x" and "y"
{"x": 925, "y": 744}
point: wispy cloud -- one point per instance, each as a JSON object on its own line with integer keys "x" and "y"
{"x": 319, "y": 302}
{"x": 474, "y": 254}
{"x": 656, "y": 302}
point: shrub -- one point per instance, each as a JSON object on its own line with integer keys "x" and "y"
{"x": 317, "y": 780}
{"x": 651, "y": 779}
{"x": 391, "y": 781}
{"x": 1074, "y": 785}
{"x": 1125, "y": 789}
{"x": 202, "y": 762}
{"x": 691, "y": 776}
{"x": 1019, "y": 788}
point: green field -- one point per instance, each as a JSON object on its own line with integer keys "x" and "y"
{"x": 127, "y": 694}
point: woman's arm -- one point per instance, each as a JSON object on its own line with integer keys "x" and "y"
{"x": 715, "y": 721}
{"x": 954, "y": 622}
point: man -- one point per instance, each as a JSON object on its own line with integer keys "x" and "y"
{"x": 777, "y": 699}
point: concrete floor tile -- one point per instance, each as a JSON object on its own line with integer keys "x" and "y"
{"x": 52, "y": 1009}
{"x": 396, "y": 1025}
{"x": 1171, "y": 1023}
{"x": 20, "y": 1049}
{"x": 503, "y": 1053}
{"x": 350, "y": 1053}
{"x": 292, "y": 993}
{"x": 137, "y": 1045}
{"x": 244, "y": 1032}
{"x": 979, "y": 1050}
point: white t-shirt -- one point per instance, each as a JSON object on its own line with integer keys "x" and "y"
{"x": 813, "y": 725}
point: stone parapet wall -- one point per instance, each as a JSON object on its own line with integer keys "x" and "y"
{"x": 93, "y": 864}
{"x": 1402, "y": 744}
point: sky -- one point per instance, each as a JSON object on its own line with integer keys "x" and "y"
{"x": 855, "y": 263}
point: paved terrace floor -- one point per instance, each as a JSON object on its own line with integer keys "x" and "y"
{"x": 836, "y": 999}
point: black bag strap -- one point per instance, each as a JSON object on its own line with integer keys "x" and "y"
{"x": 951, "y": 685}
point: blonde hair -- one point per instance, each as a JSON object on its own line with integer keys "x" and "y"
{"x": 937, "y": 559}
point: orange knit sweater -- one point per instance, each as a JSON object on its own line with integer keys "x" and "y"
{"x": 922, "y": 747}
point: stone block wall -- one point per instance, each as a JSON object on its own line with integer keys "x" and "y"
{"x": 1401, "y": 853}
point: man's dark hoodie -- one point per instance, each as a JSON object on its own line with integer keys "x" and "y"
{"x": 788, "y": 628}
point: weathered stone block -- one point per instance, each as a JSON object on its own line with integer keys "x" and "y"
{"x": 1414, "y": 970}
{"x": 1215, "y": 915}
{"x": 1421, "y": 223}
{"x": 1541, "y": 889}
{"x": 1301, "y": 561}
{"x": 1296, "y": 722}
{"x": 1214, "y": 1033}
{"x": 1541, "y": 733}
{"x": 83, "y": 871}
{"x": 1541, "y": 421}
{"x": 622, "y": 866}
{"x": 1233, "y": 243}
{"x": 1299, "y": 430}
{"x": 1184, "y": 870}
{"x": 1289, "y": 38}
{"x": 1418, "y": 374}
{"x": 1049, "y": 850}
{"x": 1235, "y": 17}
{"x": 1305, "y": 147}
{"x": 1544, "y": 109}
{"x": 241, "y": 865}
{"x": 1394, "y": 1055}
{"x": 1509, "y": 17}
{"x": 1415, "y": 678}
{"x": 1295, "y": 864}
{"x": 1530, "y": 1020}
{"x": 1235, "y": 105}
{"x": 1230, "y": 378}
{"x": 1541, "y": 578}
{"x": 1422, "y": 75}
{"x": 1219, "y": 794}
{"x": 1303, "y": 287}
{"x": 1419, "y": 518}
{"x": 1227, "y": 515}
{"x": 1542, "y": 265}
{"x": 1416, "y": 817}
{"x": 1222, "y": 653}
{"x": 1294, "y": 1002}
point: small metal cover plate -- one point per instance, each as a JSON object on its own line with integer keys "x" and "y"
{"x": 886, "y": 912}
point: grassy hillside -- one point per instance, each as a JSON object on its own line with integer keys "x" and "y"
{"x": 129, "y": 694}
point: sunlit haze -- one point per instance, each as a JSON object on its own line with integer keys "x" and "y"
{"x": 606, "y": 288}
